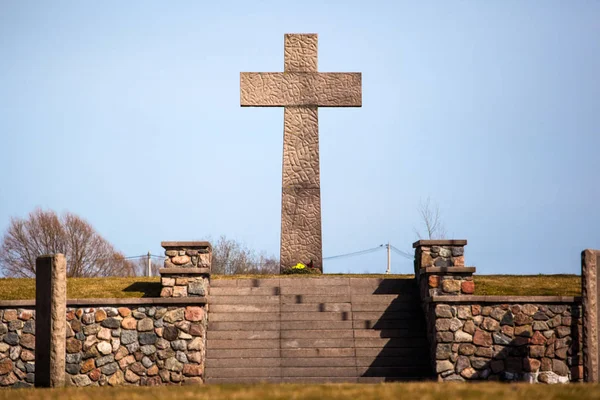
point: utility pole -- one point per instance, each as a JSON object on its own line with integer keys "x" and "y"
{"x": 149, "y": 265}
{"x": 389, "y": 266}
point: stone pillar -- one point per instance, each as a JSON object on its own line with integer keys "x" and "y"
{"x": 440, "y": 268}
{"x": 187, "y": 269}
{"x": 50, "y": 321}
{"x": 590, "y": 281}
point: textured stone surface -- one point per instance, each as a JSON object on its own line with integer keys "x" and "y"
{"x": 301, "y": 90}
{"x": 51, "y": 304}
{"x": 103, "y": 356}
{"x": 264, "y": 89}
{"x": 186, "y": 270}
{"x": 496, "y": 350}
{"x": 590, "y": 262}
{"x": 440, "y": 268}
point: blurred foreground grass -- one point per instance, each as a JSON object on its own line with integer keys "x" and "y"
{"x": 383, "y": 391}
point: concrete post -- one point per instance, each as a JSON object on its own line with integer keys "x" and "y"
{"x": 50, "y": 321}
{"x": 590, "y": 281}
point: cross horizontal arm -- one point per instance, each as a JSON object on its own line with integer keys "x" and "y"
{"x": 281, "y": 89}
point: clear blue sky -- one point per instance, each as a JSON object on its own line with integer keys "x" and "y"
{"x": 128, "y": 114}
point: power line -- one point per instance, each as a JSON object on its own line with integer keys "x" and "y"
{"x": 126, "y": 258}
{"x": 402, "y": 253}
{"x": 356, "y": 253}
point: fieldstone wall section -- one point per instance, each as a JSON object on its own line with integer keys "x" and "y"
{"x": 506, "y": 338}
{"x": 17, "y": 347}
{"x": 187, "y": 269}
{"x": 112, "y": 345}
{"x": 531, "y": 342}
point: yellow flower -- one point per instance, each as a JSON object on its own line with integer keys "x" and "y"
{"x": 299, "y": 266}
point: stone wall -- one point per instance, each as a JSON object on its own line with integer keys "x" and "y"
{"x": 488, "y": 340}
{"x": 146, "y": 344}
{"x": 506, "y": 338}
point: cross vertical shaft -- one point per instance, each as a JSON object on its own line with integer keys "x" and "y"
{"x": 301, "y": 239}
{"x": 301, "y": 89}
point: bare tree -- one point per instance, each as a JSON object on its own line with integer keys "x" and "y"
{"x": 231, "y": 257}
{"x": 431, "y": 219}
{"x": 44, "y": 232}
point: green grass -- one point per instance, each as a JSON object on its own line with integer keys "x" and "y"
{"x": 80, "y": 288}
{"x": 384, "y": 391}
{"x": 528, "y": 285}
{"x": 85, "y": 288}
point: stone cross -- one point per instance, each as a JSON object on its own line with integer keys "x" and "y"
{"x": 50, "y": 320}
{"x": 301, "y": 89}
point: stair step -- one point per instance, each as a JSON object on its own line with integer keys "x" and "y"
{"x": 316, "y": 316}
{"x": 314, "y": 298}
{"x": 349, "y": 372}
{"x": 392, "y": 352}
{"x": 243, "y": 344}
{"x": 396, "y": 306}
{"x": 391, "y": 343}
{"x": 407, "y": 371}
{"x": 243, "y": 316}
{"x": 318, "y": 334}
{"x": 244, "y": 326}
{"x": 229, "y": 308}
{"x": 264, "y": 282}
{"x": 317, "y": 352}
{"x": 422, "y": 362}
{"x": 387, "y": 315}
{"x": 311, "y": 343}
{"x": 242, "y": 353}
{"x": 387, "y": 324}
{"x": 384, "y": 298}
{"x": 244, "y": 291}
{"x": 242, "y": 335}
{"x": 258, "y": 372}
{"x": 242, "y": 362}
{"x": 312, "y": 325}
{"x": 316, "y": 290}
{"x": 318, "y": 379}
{"x": 246, "y": 380}
{"x": 251, "y": 300}
{"x": 410, "y": 332}
{"x": 388, "y": 289}
{"x": 319, "y": 362}
{"x": 316, "y": 307}
{"x": 314, "y": 282}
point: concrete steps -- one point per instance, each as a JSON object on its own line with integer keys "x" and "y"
{"x": 324, "y": 329}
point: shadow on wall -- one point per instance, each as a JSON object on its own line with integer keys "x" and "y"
{"x": 512, "y": 351}
{"x": 398, "y": 327}
{"x": 148, "y": 289}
